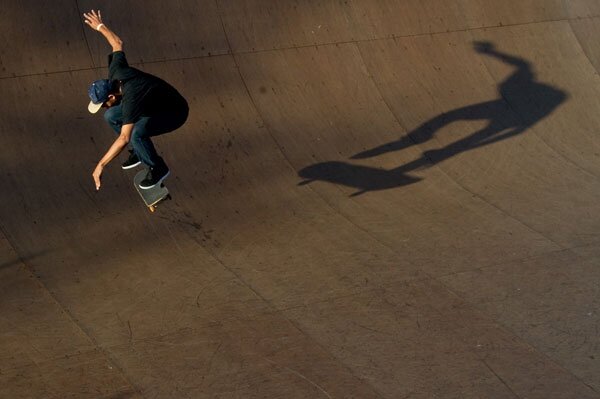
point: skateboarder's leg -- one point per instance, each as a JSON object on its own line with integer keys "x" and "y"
{"x": 143, "y": 146}
{"x": 114, "y": 117}
{"x": 157, "y": 168}
{"x": 143, "y": 130}
{"x": 147, "y": 127}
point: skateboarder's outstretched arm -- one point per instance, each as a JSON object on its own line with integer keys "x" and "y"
{"x": 114, "y": 150}
{"x": 94, "y": 20}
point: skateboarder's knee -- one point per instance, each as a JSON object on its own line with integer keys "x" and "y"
{"x": 112, "y": 116}
{"x": 137, "y": 135}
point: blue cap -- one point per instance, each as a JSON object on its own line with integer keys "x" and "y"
{"x": 98, "y": 93}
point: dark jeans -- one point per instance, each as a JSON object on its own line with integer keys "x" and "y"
{"x": 143, "y": 129}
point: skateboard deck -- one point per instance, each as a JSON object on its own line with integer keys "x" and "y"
{"x": 152, "y": 196}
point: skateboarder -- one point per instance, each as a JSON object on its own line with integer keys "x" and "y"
{"x": 139, "y": 106}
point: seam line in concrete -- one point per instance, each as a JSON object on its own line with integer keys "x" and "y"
{"x": 324, "y": 44}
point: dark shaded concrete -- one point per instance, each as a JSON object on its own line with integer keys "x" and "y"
{"x": 466, "y": 267}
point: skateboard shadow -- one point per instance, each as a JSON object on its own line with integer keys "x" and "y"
{"x": 521, "y": 104}
{"x": 364, "y": 178}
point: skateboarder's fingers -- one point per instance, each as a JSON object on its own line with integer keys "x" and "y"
{"x": 96, "y": 182}
{"x": 92, "y": 18}
{"x": 97, "y": 176}
{"x": 89, "y": 19}
{"x": 96, "y": 14}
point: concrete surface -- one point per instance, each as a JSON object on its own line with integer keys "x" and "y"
{"x": 372, "y": 199}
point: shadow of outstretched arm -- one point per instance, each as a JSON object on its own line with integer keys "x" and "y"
{"x": 488, "y": 48}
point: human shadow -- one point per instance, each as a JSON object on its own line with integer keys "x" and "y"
{"x": 522, "y": 103}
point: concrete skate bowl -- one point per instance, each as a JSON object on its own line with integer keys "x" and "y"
{"x": 371, "y": 199}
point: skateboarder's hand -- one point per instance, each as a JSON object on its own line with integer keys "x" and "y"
{"x": 97, "y": 175}
{"x": 93, "y": 19}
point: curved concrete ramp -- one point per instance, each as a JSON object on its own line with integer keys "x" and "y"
{"x": 372, "y": 199}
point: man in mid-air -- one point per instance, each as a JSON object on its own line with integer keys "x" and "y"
{"x": 139, "y": 106}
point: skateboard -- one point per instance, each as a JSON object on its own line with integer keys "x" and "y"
{"x": 152, "y": 196}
